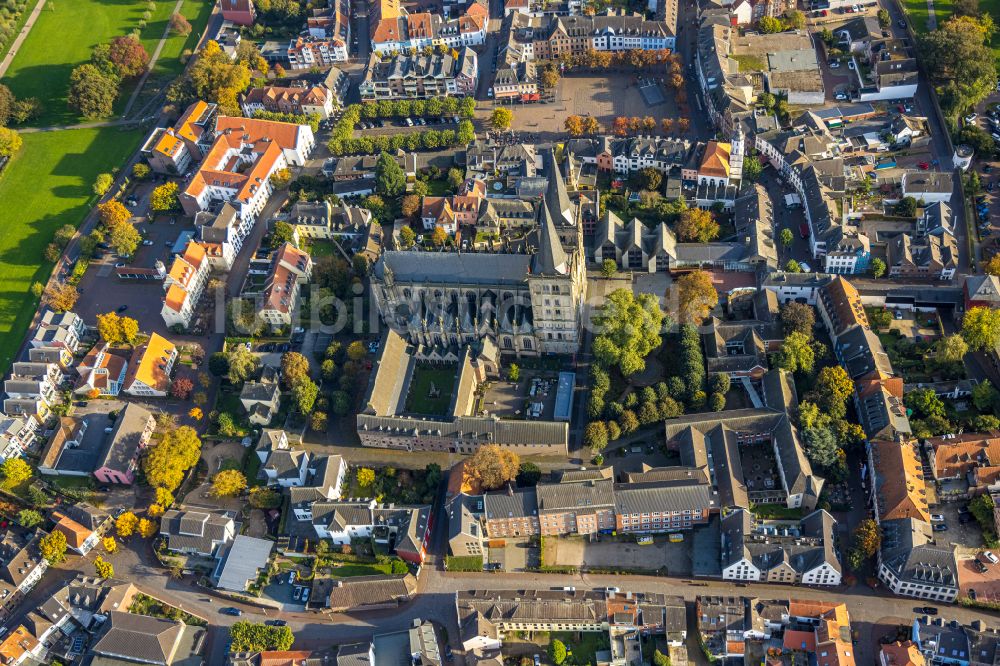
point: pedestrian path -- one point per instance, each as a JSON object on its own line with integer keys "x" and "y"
{"x": 12, "y": 51}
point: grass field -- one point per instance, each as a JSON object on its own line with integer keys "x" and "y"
{"x": 917, "y": 10}
{"x": 46, "y": 186}
{"x": 57, "y": 43}
{"x": 425, "y": 377}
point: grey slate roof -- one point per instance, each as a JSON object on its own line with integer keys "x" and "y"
{"x": 662, "y": 497}
{"x": 200, "y": 531}
{"x": 139, "y": 638}
{"x": 360, "y": 591}
{"x": 242, "y": 562}
{"x": 125, "y": 438}
{"x": 454, "y": 267}
{"x": 520, "y": 503}
{"x": 570, "y": 496}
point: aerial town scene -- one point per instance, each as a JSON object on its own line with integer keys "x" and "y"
{"x": 500, "y": 332}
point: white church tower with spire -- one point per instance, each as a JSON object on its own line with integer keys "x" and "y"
{"x": 737, "y": 151}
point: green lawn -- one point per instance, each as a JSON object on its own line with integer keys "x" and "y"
{"x": 46, "y": 186}
{"x": 440, "y": 378}
{"x": 65, "y": 34}
{"x": 350, "y": 570}
{"x": 917, "y": 9}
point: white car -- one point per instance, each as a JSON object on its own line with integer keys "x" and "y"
{"x": 806, "y": 268}
{"x": 834, "y": 64}
{"x": 971, "y": 118}
{"x": 856, "y": 9}
{"x": 937, "y": 518}
{"x": 840, "y": 96}
{"x": 988, "y": 554}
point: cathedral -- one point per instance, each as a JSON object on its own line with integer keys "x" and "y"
{"x": 528, "y": 301}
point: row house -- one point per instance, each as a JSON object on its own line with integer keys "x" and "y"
{"x": 185, "y": 284}
{"x": 129, "y": 436}
{"x": 239, "y": 165}
{"x": 780, "y": 553}
{"x": 931, "y": 256}
{"x": 222, "y": 235}
{"x": 300, "y": 100}
{"x": 407, "y": 527}
{"x": 32, "y": 389}
{"x": 450, "y": 213}
{"x": 17, "y": 434}
{"x": 174, "y": 150}
{"x": 573, "y": 35}
{"x": 320, "y": 219}
{"x": 306, "y": 52}
{"x": 420, "y": 76}
{"x": 62, "y": 330}
{"x": 394, "y": 30}
{"x": 290, "y": 269}
{"x": 333, "y": 21}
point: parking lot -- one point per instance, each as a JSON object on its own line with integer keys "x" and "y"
{"x": 620, "y": 553}
{"x": 603, "y": 97}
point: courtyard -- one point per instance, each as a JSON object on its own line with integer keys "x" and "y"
{"x": 431, "y": 389}
{"x": 533, "y": 396}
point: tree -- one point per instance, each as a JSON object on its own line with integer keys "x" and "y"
{"x": 493, "y": 466}
{"x": 126, "y": 524}
{"x": 660, "y": 659}
{"x": 798, "y": 317}
{"x": 595, "y": 435}
{"x": 609, "y": 268}
{"x": 407, "y": 237}
{"x": 696, "y": 296}
{"x": 878, "y": 268}
{"x": 29, "y": 518}
{"x": 985, "y": 397}
{"x": 250, "y": 637}
{"x": 10, "y": 142}
{"x": 650, "y": 179}
{"x": 229, "y": 483}
{"x": 7, "y": 102}
{"x": 242, "y": 364}
{"x": 304, "y": 395}
{"x": 181, "y": 388}
{"x": 456, "y": 178}
{"x": 951, "y": 349}
{"x": 128, "y": 56}
{"x": 15, "y": 471}
{"x": 629, "y": 328}
{"x": 924, "y": 402}
{"x": 366, "y": 477}
{"x": 164, "y": 197}
{"x": 52, "y": 547}
{"x": 179, "y": 25}
{"x": 985, "y": 423}
{"x": 166, "y": 462}
{"x": 110, "y": 545}
{"x": 340, "y": 402}
{"x": 409, "y": 207}
{"x": 148, "y": 528}
{"x": 557, "y": 652}
{"x": 501, "y": 119}
{"x": 821, "y": 447}
{"x": 981, "y": 328}
{"x": 103, "y": 568}
{"x": 697, "y": 225}
{"x": 282, "y": 233}
{"x": 213, "y": 77}
{"x": 959, "y": 62}
{"x": 834, "y": 387}
{"x": 264, "y": 498}
{"x": 528, "y": 475}
{"x": 318, "y": 422}
{"x": 514, "y": 372}
{"x": 92, "y": 92}
{"x": 907, "y": 207}
{"x": 796, "y": 353}
{"x": 294, "y": 368}
{"x": 573, "y": 125}
{"x": 867, "y": 538}
{"x": 752, "y": 168}
{"x": 390, "y": 181}
{"x": 26, "y": 109}
{"x": 993, "y": 265}
{"x": 113, "y": 213}
{"x": 61, "y": 296}
{"x": 769, "y": 25}
{"x": 549, "y": 78}
{"x": 103, "y": 183}
{"x": 124, "y": 239}
{"x": 717, "y": 402}
{"x": 439, "y": 236}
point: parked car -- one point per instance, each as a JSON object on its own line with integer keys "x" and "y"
{"x": 940, "y": 527}
{"x": 980, "y": 567}
{"x": 923, "y": 166}
{"x": 275, "y": 623}
{"x": 297, "y": 593}
{"x": 971, "y": 118}
{"x": 122, "y": 308}
{"x": 305, "y": 594}
{"x": 147, "y": 243}
{"x": 929, "y": 610}
{"x": 988, "y": 554}
{"x": 229, "y": 610}
{"x": 834, "y": 64}
{"x": 291, "y": 577}
{"x": 901, "y": 23}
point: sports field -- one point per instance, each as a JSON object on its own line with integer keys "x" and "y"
{"x": 46, "y": 186}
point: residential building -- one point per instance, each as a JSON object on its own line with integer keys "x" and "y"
{"x": 21, "y": 563}
{"x": 17, "y": 435}
{"x": 241, "y": 562}
{"x": 420, "y": 76}
{"x": 304, "y": 100}
{"x": 981, "y": 291}
{"x": 901, "y": 654}
{"x": 290, "y": 268}
{"x": 465, "y": 525}
{"x": 394, "y": 29}
{"x": 80, "y": 538}
{"x": 362, "y": 593}
{"x": 184, "y": 285}
{"x": 321, "y": 220}
{"x": 408, "y": 527}
{"x": 19, "y": 646}
{"x": 928, "y": 186}
{"x": 777, "y": 552}
{"x": 32, "y": 389}
{"x": 840, "y": 307}
{"x": 59, "y": 329}
{"x": 222, "y": 235}
{"x": 797, "y": 287}
{"x": 307, "y": 51}
{"x": 150, "y": 640}
{"x": 964, "y": 465}
{"x": 79, "y": 604}
{"x": 740, "y": 347}
{"x": 196, "y": 532}
{"x": 240, "y": 12}
{"x": 948, "y": 642}
{"x": 931, "y": 256}
{"x": 331, "y": 22}
{"x": 606, "y": 32}
{"x": 244, "y": 155}
{"x": 262, "y": 398}
{"x": 892, "y": 71}
{"x": 175, "y": 150}
{"x": 912, "y": 565}
{"x": 129, "y": 435}
{"x": 75, "y": 445}
{"x": 149, "y": 370}
{"x": 102, "y": 371}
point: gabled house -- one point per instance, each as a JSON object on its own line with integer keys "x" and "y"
{"x": 129, "y": 435}
{"x": 290, "y": 269}
{"x": 196, "y": 532}
{"x": 17, "y": 434}
{"x": 174, "y": 150}
{"x": 149, "y": 370}
{"x": 59, "y": 329}
{"x": 262, "y": 399}
{"x": 102, "y": 371}
{"x": 184, "y": 284}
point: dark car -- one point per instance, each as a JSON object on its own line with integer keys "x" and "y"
{"x": 229, "y": 610}
{"x": 901, "y": 23}
{"x": 940, "y": 527}
{"x": 928, "y": 610}
{"x": 122, "y": 308}
{"x": 275, "y": 623}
